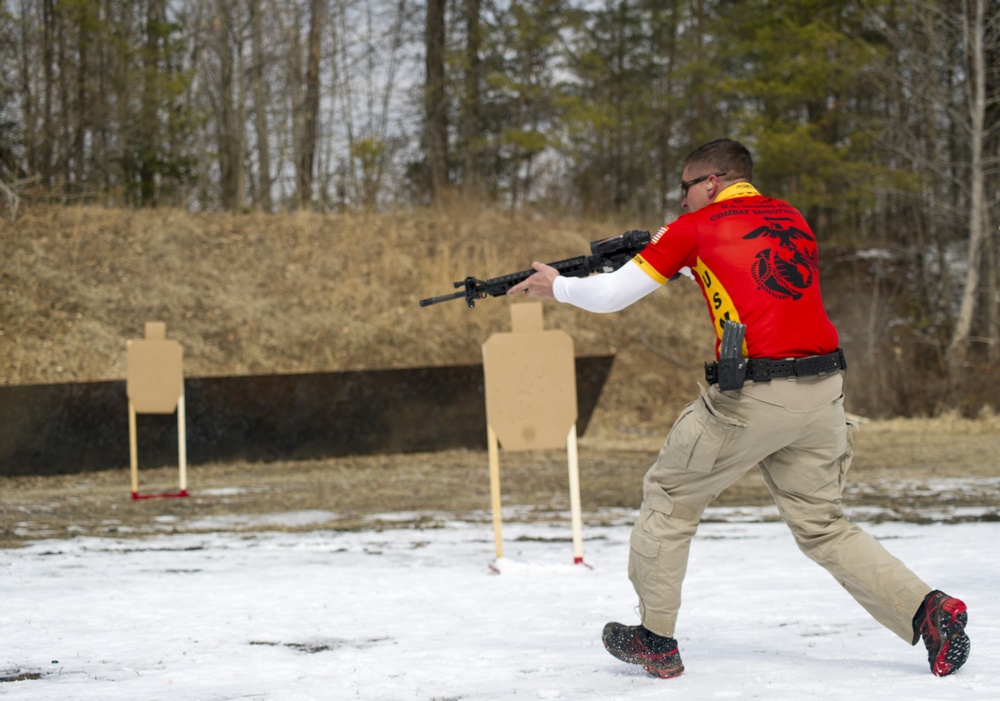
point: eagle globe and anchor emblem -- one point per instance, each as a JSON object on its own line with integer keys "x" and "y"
{"x": 786, "y": 268}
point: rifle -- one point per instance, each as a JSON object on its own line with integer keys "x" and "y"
{"x": 607, "y": 255}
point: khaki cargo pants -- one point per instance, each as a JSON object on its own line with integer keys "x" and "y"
{"x": 796, "y": 431}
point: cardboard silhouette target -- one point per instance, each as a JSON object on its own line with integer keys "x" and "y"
{"x": 155, "y": 385}
{"x": 531, "y": 403}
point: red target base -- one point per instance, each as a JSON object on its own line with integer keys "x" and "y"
{"x": 163, "y": 495}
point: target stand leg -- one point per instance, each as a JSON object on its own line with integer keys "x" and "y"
{"x": 576, "y": 518}
{"x": 133, "y": 445}
{"x": 493, "y": 446}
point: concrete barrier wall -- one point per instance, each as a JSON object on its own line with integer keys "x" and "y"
{"x": 62, "y": 428}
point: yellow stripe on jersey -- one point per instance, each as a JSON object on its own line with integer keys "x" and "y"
{"x": 649, "y": 269}
{"x": 719, "y": 302}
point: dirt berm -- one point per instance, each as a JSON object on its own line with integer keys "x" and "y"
{"x": 249, "y": 294}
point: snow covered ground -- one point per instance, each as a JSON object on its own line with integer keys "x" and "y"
{"x": 416, "y": 614}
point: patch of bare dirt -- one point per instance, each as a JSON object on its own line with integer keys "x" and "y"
{"x": 947, "y": 468}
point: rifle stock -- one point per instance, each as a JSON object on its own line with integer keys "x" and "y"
{"x": 606, "y": 256}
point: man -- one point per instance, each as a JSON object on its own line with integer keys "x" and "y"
{"x": 780, "y": 405}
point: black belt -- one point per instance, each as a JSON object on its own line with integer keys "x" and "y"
{"x": 763, "y": 369}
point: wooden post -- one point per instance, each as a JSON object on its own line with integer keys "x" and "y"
{"x": 576, "y": 518}
{"x": 493, "y": 449}
{"x": 133, "y": 448}
{"x": 182, "y": 444}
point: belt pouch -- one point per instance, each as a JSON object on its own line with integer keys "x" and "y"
{"x": 732, "y": 366}
{"x": 732, "y": 373}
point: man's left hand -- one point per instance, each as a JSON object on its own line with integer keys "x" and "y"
{"x": 539, "y": 284}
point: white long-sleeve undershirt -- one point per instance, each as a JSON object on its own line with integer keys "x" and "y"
{"x": 605, "y": 292}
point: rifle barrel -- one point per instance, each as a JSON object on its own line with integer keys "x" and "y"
{"x": 443, "y": 298}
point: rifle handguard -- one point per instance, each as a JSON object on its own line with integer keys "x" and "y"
{"x": 607, "y": 255}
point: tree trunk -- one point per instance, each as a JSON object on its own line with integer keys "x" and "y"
{"x": 310, "y": 112}
{"x": 261, "y": 100}
{"x": 471, "y": 104}
{"x": 82, "y": 95}
{"x": 50, "y": 31}
{"x": 958, "y": 346}
{"x": 149, "y": 118}
{"x": 992, "y": 296}
{"x": 226, "y": 126}
{"x": 436, "y": 116}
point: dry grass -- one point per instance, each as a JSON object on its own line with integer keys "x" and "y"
{"x": 257, "y": 294}
{"x": 254, "y": 294}
{"x": 952, "y": 423}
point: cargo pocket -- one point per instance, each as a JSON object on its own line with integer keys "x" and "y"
{"x": 643, "y": 543}
{"x": 847, "y": 456}
{"x": 644, "y": 547}
{"x": 697, "y": 437}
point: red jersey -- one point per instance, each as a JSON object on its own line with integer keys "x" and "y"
{"x": 757, "y": 263}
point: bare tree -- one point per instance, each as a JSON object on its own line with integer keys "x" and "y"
{"x": 82, "y": 117}
{"x": 436, "y": 107}
{"x": 50, "y": 32}
{"x": 471, "y": 100}
{"x": 973, "y": 30}
{"x": 230, "y": 126}
{"x": 149, "y": 125}
{"x": 937, "y": 99}
{"x": 310, "y": 108}
{"x": 261, "y": 98}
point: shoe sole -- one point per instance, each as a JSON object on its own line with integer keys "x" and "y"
{"x": 664, "y": 672}
{"x": 954, "y": 651}
{"x": 661, "y": 671}
{"x": 657, "y": 670}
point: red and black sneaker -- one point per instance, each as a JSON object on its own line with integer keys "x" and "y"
{"x": 941, "y": 621}
{"x": 634, "y": 644}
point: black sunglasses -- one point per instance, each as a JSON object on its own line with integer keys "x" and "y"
{"x": 685, "y": 184}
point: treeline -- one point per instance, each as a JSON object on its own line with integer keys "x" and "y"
{"x": 878, "y": 118}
